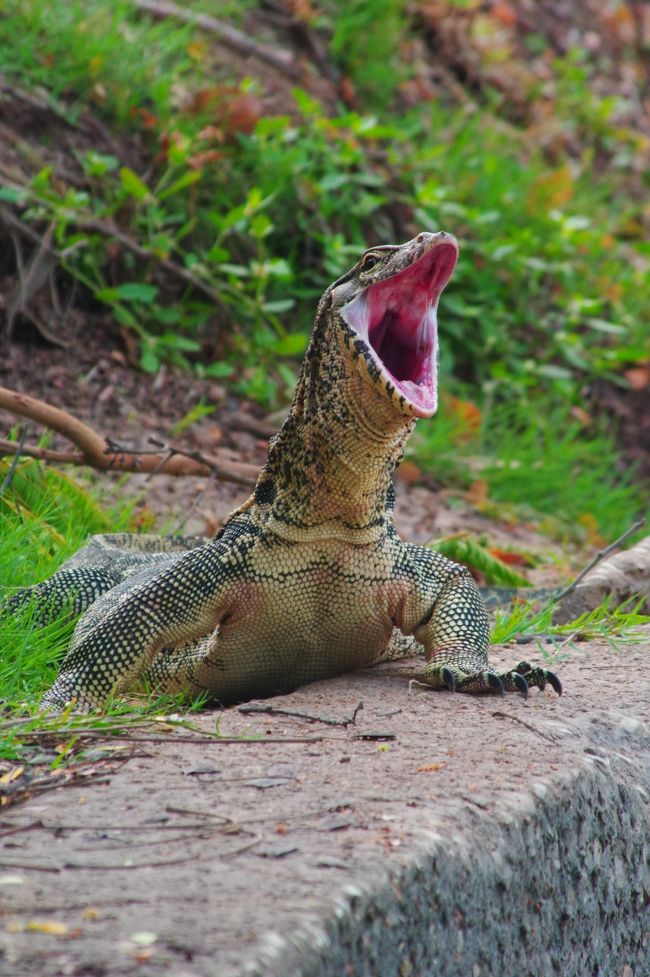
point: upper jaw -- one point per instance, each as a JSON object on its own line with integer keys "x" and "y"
{"x": 396, "y": 320}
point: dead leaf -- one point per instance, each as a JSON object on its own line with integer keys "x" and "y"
{"x": 638, "y": 377}
{"x": 477, "y": 493}
{"x": 408, "y": 472}
{"x": 51, "y": 927}
{"x": 11, "y": 775}
{"x": 198, "y": 160}
{"x": 581, "y": 415}
{"x": 212, "y": 132}
{"x": 276, "y": 849}
{"x": 243, "y": 113}
{"x": 148, "y": 119}
{"x": 619, "y": 21}
{"x": 197, "y": 50}
{"x": 504, "y": 13}
{"x": 588, "y": 520}
{"x": 507, "y": 556}
{"x": 201, "y": 100}
{"x": 213, "y": 435}
{"x": 466, "y": 412}
{"x": 302, "y": 10}
{"x": 346, "y": 88}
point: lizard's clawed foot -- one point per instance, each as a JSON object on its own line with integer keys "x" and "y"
{"x": 459, "y": 678}
{"x": 531, "y": 675}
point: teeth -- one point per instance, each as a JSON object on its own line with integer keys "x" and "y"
{"x": 428, "y": 327}
{"x": 420, "y": 392}
{"x": 357, "y": 315}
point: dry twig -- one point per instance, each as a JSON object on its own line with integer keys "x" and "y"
{"x": 598, "y": 558}
{"x": 281, "y": 60}
{"x": 256, "y": 708}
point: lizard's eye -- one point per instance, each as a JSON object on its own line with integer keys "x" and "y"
{"x": 369, "y": 262}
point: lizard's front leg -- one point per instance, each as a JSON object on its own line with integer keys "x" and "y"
{"x": 446, "y": 614}
{"x": 122, "y": 632}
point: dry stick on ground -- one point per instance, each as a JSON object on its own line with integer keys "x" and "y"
{"x": 96, "y": 451}
{"x": 557, "y": 596}
{"x": 230, "y": 36}
{"x": 256, "y": 709}
{"x": 598, "y": 558}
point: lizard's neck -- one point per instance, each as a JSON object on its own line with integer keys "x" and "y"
{"x": 329, "y": 469}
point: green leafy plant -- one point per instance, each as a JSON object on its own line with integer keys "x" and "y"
{"x": 212, "y": 248}
{"x": 623, "y": 623}
{"x": 468, "y": 550}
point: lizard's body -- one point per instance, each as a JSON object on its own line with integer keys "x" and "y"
{"x": 308, "y": 579}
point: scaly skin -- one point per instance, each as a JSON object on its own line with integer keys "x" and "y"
{"x": 308, "y": 579}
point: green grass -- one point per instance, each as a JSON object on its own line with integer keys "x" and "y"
{"x": 45, "y": 516}
{"x": 535, "y": 460}
{"x": 98, "y": 53}
{"x": 617, "y": 625}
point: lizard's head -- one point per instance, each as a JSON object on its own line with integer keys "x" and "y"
{"x": 386, "y": 308}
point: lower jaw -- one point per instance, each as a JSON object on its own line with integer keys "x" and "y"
{"x": 420, "y": 401}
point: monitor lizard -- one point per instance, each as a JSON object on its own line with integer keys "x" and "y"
{"x": 308, "y": 578}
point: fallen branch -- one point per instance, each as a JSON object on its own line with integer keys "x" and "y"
{"x": 230, "y": 36}
{"x": 100, "y": 453}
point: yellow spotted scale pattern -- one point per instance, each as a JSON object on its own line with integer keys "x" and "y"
{"x": 307, "y": 580}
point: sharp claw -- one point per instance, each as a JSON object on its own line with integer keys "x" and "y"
{"x": 521, "y": 683}
{"x": 554, "y": 682}
{"x": 448, "y": 678}
{"x": 495, "y": 682}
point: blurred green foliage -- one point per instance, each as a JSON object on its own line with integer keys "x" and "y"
{"x": 262, "y": 211}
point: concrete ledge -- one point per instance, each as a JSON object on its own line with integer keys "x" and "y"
{"x": 557, "y": 883}
{"x": 486, "y": 838}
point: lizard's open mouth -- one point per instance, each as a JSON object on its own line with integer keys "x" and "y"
{"x": 396, "y": 319}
